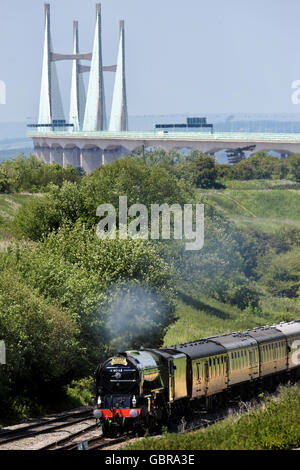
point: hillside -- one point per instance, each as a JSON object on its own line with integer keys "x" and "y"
{"x": 268, "y": 207}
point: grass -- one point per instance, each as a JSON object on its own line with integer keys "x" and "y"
{"x": 209, "y": 318}
{"x": 9, "y": 204}
{"x": 265, "y": 204}
{"x": 275, "y": 425}
{"x": 197, "y": 319}
{"x": 261, "y": 184}
{"x": 248, "y": 204}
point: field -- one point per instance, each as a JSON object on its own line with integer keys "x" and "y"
{"x": 210, "y": 318}
{"x": 267, "y": 209}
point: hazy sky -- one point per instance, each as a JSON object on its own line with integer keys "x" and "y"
{"x": 192, "y": 56}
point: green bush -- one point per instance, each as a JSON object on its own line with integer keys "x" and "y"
{"x": 280, "y": 274}
{"x": 294, "y": 165}
{"x": 71, "y": 201}
{"x": 31, "y": 174}
{"x": 40, "y": 338}
{"x": 76, "y": 270}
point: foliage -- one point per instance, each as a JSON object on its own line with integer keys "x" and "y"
{"x": 262, "y": 166}
{"x": 71, "y": 202}
{"x": 201, "y": 172}
{"x": 77, "y": 270}
{"x": 39, "y": 216}
{"x": 80, "y": 392}
{"x": 222, "y": 267}
{"x": 40, "y": 339}
{"x": 30, "y": 174}
{"x": 280, "y": 273}
{"x": 294, "y": 164}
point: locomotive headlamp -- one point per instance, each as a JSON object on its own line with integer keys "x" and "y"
{"x": 97, "y": 414}
{"x": 133, "y": 401}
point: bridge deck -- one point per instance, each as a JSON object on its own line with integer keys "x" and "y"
{"x": 182, "y": 136}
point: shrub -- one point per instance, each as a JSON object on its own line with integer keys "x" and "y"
{"x": 31, "y": 174}
{"x": 42, "y": 350}
{"x": 87, "y": 276}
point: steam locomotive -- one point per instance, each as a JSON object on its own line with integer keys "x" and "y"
{"x": 149, "y": 387}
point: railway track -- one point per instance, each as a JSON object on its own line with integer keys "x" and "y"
{"x": 91, "y": 432}
{"x": 43, "y": 426}
{"x": 94, "y": 443}
{"x": 68, "y": 443}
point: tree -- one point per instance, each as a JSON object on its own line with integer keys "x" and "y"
{"x": 293, "y": 161}
{"x": 205, "y": 172}
{"x": 71, "y": 202}
{"x": 40, "y": 337}
{"x": 282, "y": 275}
{"x": 82, "y": 274}
{"x": 30, "y": 174}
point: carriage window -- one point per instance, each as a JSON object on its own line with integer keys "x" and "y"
{"x": 244, "y": 359}
{"x": 210, "y": 367}
{"x": 198, "y": 371}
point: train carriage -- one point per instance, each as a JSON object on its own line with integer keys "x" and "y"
{"x": 151, "y": 386}
{"x": 243, "y": 363}
{"x": 207, "y": 367}
{"x": 272, "y": 346}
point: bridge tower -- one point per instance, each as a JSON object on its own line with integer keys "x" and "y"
{"x": 119, "y": 116}
{"x": 77, "y": 101}
{"x": 51, "y": 107}
{"x": 95, "y": 114}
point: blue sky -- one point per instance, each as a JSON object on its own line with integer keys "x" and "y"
{"x": 191, "y": 56}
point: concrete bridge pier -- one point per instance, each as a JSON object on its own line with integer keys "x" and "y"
{"x": 90, "y": 159}
{"x": 110, "y": 155}
{"x": 71, "y": 156}
{"x": 38, "y": 153}
{"x": 45, "y": 154}
{"x": 56, "y": 155}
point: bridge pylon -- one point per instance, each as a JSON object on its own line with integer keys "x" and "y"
{"x": 51, "y": 107}
{"x": 95, "y": 113}
{"x": 78, "y": 97}
{"x": 119, "y": 116}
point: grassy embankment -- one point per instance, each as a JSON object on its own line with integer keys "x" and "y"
{"x": 267, "y": 205}
{"x": 275, "y": 425}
